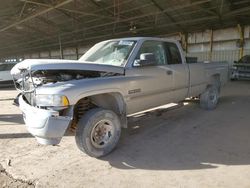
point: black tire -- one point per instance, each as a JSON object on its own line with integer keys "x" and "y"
{"x": 217, "y": 84}
{"x": 87, "y": 134}
{"x": 209, "y": 99}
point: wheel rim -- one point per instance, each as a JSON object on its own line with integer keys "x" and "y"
{"x": 102, "y": 133}
{"x": 213, "y": 97}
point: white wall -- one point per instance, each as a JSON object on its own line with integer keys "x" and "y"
{"x": 68, "y": 53}
{"x": 223, "y": 46}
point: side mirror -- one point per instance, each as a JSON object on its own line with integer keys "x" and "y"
{"x": 146, "y": 59}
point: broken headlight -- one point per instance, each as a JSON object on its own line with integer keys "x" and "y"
{"x": 51, "y": 101}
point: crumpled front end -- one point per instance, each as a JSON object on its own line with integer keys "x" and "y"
{"x": 47, "y": 97}
{"x": 46, "y": 125}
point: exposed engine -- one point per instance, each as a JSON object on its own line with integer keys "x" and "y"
{"x": 52, "y": 76}
{"x": 28, "y": 82}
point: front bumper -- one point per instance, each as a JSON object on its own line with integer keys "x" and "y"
{"x": 46, "y": 125}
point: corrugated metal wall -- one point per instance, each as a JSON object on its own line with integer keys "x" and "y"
{"x": 225, "y": 55}
{"x": 220, "y": 55}
{"x": 224, "y": 46}
{"x": 68, "y": 53}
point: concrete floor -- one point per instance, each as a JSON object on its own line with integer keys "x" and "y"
{"x": 184, "y": 147}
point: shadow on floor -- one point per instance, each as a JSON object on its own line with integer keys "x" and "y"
{"x": 8, "y": 99}
{"x": 184, "y": 138}
{"x": 10, "y": 87}
{"x": 188, "y": 138}
{"x": 11, "y": 118}
{"x": 15, "y": 135}
{"x": 24, "y": 135}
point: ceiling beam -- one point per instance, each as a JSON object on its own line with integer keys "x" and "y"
{"x": 69, "y": 15}
{"x": 109, "y": 12}
{"x": 139, "y": 17}
{"x": 110, "y": 34}
{"x": 123, "y": 20}
{"x": 244, "y": 10}
{"x": 37, "y": 30}
{"x": 22, "y": 10}
{"x": 35, "y": 15}
{"x": 167, "y": 14}
{"x": 68, "y": 10}
{"x": 49, "y": 23}
{"x": 231, "y": 8}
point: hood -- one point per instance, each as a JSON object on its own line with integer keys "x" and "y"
{"x": 58, "y": 64}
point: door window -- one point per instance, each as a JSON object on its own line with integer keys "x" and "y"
{"x": 155, "y": 47}
{"x": 173, "y": 53}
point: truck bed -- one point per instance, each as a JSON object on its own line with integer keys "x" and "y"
{"x": 218, "y": 67}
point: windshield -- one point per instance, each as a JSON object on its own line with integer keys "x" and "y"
{"x": 109, "y": 52}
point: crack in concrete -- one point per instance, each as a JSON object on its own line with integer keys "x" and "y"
{"x": 28, "y": 182}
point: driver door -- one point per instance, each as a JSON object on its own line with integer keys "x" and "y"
{"x": 150, "y": 86}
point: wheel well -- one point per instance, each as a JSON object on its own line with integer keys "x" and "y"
{"x": 215, "y": 80}
{"x": 110, "y": 101}
{"x": 216, "y": 77}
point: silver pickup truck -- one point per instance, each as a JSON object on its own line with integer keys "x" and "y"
{"x": 114, "y": 79}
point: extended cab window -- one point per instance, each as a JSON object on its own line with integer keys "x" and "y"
{"x": 155, "y": 47}
{"x": 173, "y": 53}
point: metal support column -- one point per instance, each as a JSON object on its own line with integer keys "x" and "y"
{"x": 241, "y": 42}
{"x": 77, "y": 53}
{"x": 211, "y": 45}
{"x": 49, "y": 54}
{"x": 60, "y": 45}
{"x": 184, "y": 42}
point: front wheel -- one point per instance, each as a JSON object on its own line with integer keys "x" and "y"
{"x": 98, "y": 132}
{"x": 209, "y": 99}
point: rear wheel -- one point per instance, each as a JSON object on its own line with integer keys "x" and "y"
{"x": 98, "y": 132}
{"x": 209, "y": 99}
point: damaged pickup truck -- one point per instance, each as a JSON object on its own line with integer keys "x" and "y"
{"x": 114, "y": 79}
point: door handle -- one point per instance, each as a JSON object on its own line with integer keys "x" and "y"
{"x": 169, "y": 72}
